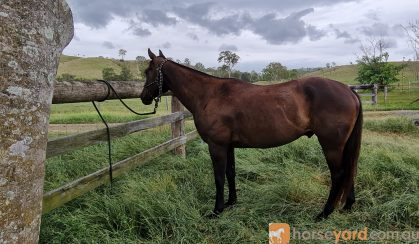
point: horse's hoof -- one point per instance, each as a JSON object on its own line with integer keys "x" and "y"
{"x": 322, "y": 216}
{"x": 213, "y": 214}
{"x": 347, "y": 208}
{"x": 230, "y": 204}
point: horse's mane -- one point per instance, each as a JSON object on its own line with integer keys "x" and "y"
{"x": 199, "y": 72}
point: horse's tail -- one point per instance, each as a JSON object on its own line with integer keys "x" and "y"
{"x": 351, "y": 154}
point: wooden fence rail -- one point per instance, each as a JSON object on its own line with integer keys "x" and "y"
{"x": 70, "y": 92}
{"x": 70, "y": 143}
{"x": 372, "y": 87}
{"x": 72, "y": 190}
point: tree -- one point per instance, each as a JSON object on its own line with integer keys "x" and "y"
{"x": 229, "y": 59}
{"x": 125, "y": 74}
{"x": 274, "y": 72}
{"x": 187, "y": 62}
{"x": 109, "y": 74}
{"x": 292, "y": 74}
{"x": 141, "y": 65}
{"x": 122, "y": 53}
{"x": 412, "y": 31}
{"x": 140, "y": 59}
{"x": 373, "y": 65}
{"x": 200, "y": 67}
{"x": 246, "y": 76}
{"x": 223, "y": 71}
{"x": 254, "y": 76}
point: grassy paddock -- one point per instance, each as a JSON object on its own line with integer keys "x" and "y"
{"x": 113, "y": 111}
{"x": 164, "y": 201}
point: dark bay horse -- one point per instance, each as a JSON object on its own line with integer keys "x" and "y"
{"x": 230, "y": 113}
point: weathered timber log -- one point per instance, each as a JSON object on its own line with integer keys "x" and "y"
{"x": 86, "y": 91}
{"x": 72, "y": 190}
{"x": 70, "y": 143}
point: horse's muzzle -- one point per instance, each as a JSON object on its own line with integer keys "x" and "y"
{"x": 146, "y": 101}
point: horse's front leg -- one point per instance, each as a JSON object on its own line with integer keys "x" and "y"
{"x": 219, "y": 161}
{"x": 231, "y": 174}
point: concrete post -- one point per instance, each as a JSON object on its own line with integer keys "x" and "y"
{"x": 33, "y": 34}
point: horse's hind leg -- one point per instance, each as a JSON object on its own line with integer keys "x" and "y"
{"x": 333, "y": 155}
{"x": 350, "y": 200}
{"x": 231, "y": 174}
{"x": 218, "y": 155}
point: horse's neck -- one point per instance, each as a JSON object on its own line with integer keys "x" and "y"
{"x": 190, "y": 87}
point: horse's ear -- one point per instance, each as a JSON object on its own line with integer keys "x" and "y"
{"x": 161, "y": 54}
{"x": 151, "y": 54}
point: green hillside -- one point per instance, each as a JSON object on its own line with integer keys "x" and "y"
{"x": 348, "y": 73}
{"x": 91, "y": 68}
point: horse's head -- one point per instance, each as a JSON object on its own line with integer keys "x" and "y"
{"x": 154, "y": 84}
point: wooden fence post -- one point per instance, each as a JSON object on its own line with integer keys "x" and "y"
{"x": 385, "y": 93}
{"x": 32, "y": 37}
{"x": 178, "y": 127}
{"x": 374, "y": 97}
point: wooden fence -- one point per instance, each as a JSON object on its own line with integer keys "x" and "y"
{"x": 373, "y": 94}
{"x": 65, "y": 94}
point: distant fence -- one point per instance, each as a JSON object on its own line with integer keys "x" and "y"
{"x": 406, "y": 92}
{"x": 71, "y": 92}
{"x": 372, "y": 87}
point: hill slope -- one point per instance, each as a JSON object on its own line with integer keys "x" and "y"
{"x": 348, "y": 73}
{"x": 91, "y": 68}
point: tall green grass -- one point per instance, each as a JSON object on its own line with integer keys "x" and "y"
{"x": 164, "y": 201}
{"x": 393, "y": 125}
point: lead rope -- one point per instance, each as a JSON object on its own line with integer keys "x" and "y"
{"x": 159, "y": 79}
{"x": 108, "y": 133}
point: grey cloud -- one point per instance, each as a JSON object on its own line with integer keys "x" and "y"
{"x": 98, "y": 13}
{"x": 156, "y": 17}
{"x": 108, "y": 45}
{"x": 314, "y": 33}
{"x": 227, "y": 47}
{"x": 166, "y": 45}
{"x": 199, "y": 14}
{"x": 390, "y": 42}
{"x": 290, "y": 29}
{"x": 76, "y": 37}
{"x": 193, "y": 36}
{"x": 140, "y": 31}
{"x": 373, "y": 15}
{"x": 376, "y": 29}
{"x": 271, "y": 28}
{"x": 269, "y": 5}
{"x": 344, "y": 35}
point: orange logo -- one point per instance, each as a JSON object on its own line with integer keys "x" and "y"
{"x": 279, "y": 233}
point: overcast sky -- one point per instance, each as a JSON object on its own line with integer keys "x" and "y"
{"x": 296, "y": 33}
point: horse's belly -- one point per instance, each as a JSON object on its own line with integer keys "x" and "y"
{"x": 262, "y": 139}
